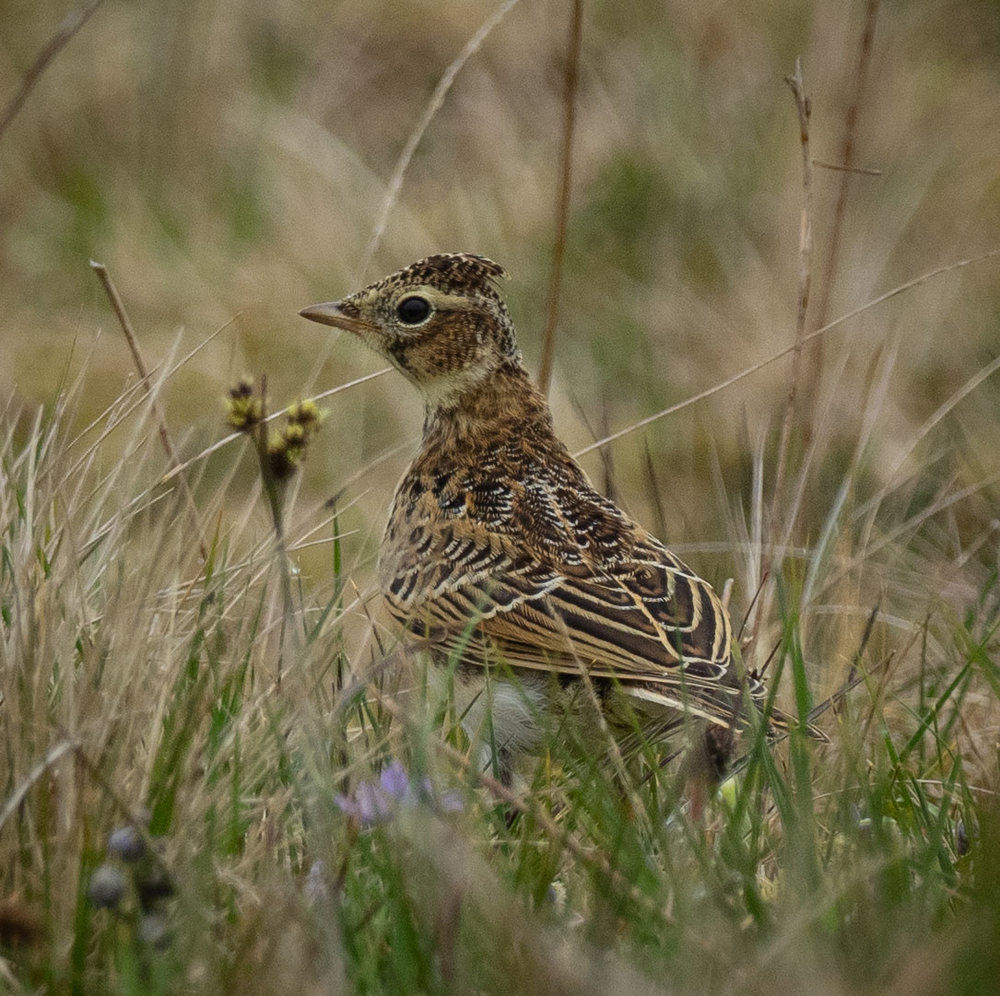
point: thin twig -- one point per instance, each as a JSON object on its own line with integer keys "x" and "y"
{"x": 69, "y": 26}
{"x": 572, "y": 80}
{"x": 846, "y": 169}
{"x": 122, "y": 408}
{"x": 750, "y": 608}
{"x": 168, "y": 446}
{"x": 774, "y": 357}
{"x": 433, "y": 106}
{"x": 795, "y": 82}
{"x": 841, "y": 168}
{"x": 16, "y": 797}
{"x": 274, "y": 491}
{"x": 847, "y": 159}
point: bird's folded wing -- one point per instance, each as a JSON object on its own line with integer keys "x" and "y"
{"x": 644, "y": 619}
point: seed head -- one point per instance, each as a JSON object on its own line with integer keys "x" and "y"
{"x": 107, "y": 887}
{"x": 244, "y": 408}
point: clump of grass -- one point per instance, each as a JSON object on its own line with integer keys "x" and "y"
{"x": 310, "y": 798}
{"x": 330, "y": 833}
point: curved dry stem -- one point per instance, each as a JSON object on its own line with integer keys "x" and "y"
{"x": 433, "y": 106}
{"x": 64, "y": 34}
{"x": 774, "y": 357}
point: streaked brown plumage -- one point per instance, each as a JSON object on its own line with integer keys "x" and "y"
{"x": 498, "y": 550}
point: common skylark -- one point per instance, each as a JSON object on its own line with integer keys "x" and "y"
{"x": 547, "y": 598}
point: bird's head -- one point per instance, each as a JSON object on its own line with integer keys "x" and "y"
{"x": 440, "y": 321}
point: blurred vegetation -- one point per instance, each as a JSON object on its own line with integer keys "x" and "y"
{"x": 228, "y": 163}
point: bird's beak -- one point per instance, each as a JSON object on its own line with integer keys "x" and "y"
{"x": 331, "y": 314}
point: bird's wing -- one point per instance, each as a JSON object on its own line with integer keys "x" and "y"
{"x": 643, "y": 617}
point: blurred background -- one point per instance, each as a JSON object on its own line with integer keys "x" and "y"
{"x": 228, "y": 162}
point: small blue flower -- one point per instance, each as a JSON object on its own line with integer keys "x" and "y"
{"x": 374, "y": 804}
{"x": 394, "y": 781}
{"x": 377, "y": 801}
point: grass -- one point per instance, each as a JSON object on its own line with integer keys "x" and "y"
{"x": 308, "y": 816}
{"x": 319, "y": 826}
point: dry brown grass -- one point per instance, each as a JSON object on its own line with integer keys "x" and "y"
{"x": 228, "y": 164}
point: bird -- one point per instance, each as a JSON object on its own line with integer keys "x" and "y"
{"x": 541, "y": 599}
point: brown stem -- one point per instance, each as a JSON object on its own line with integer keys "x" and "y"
{"x": 846, "y": 164}
{"x": 274, "y": 491}
{"x": 133, "y": 344}
{"x": 69, "y": 26}
{"x": 430, "y": 111}
{"x": 795, "y": 82}
{"x": 571, "y": 86}
{"x": 781, "y": 353}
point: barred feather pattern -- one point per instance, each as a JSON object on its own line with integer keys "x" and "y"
{"x": 497, "y": 547}
{"x": 555, "y": 577}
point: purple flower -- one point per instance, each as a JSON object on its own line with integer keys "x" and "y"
{"x": 377, "y": 801}
{"x": 394, "y": 781}
{"x": 374, "y": 804}
{"x": 370, "y": 804}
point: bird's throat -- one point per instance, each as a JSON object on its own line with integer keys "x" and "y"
{"x": 487, "y": 410}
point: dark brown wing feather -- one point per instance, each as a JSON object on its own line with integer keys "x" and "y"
{"x": 590, "y": 590}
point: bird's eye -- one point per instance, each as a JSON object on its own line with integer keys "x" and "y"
{"x": 413, "y": 310}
